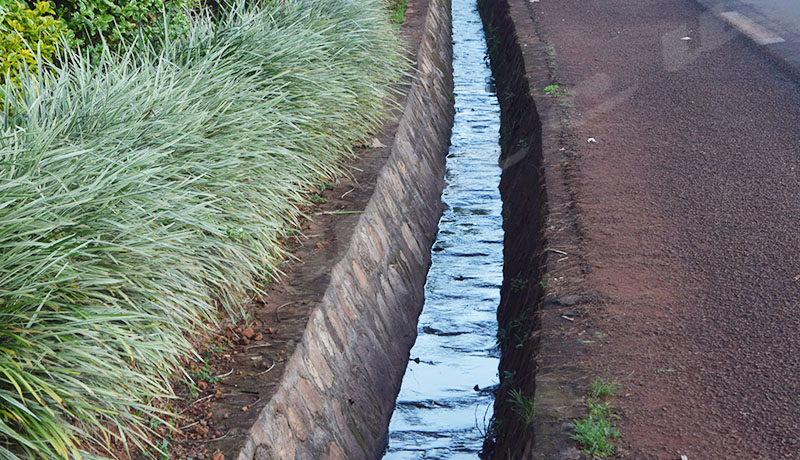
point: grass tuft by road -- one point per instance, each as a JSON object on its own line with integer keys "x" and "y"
{"x": 596, "y": 433}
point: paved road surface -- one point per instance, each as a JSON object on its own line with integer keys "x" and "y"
{"x": 779, "y": 19}
{"x": 690, "y": 203}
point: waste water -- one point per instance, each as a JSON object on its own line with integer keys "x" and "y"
{"x": 445, "y": 402}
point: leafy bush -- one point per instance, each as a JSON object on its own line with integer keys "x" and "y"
{"x": 25, "y": 34}
{"x": 140, "y": 190}
{"x": 94, "y": 22}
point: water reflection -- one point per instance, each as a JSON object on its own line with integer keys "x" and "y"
{"x": 446, "y": 397}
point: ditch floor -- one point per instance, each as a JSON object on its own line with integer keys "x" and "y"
{"x": 242, "y": 363}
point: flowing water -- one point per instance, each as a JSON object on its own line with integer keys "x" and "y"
{"x": 446, "y": 397}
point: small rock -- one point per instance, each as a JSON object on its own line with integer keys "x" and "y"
{"x": 591, "y": 140}
{"x": 569, "y": 300}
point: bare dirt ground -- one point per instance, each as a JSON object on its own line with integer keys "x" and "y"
{"x": 689, "y": 206}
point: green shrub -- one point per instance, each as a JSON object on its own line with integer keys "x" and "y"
{"x": 26, "y": 33}
{"x": 94, "y": 22}
{"x": 142, "y": 190}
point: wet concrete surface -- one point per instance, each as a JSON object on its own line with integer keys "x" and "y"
{"x": 445, "y": 401}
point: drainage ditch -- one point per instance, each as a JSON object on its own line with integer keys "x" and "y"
{"x": 445, "y": 408}
{"x": 336, "y": 395}
{"x": 445, "y": 401}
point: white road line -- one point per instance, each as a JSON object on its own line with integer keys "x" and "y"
{"x": 747, "y": 26}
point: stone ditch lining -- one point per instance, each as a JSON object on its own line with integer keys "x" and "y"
{"x": 340, "y": 384}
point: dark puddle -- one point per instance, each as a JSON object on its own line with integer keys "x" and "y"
{"x": 446, "y": 399}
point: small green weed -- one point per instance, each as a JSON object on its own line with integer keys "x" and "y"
{"x": 398, "y": 10}
{"x": 220, "y": 347}
{"x": 194, "y": 392}
{"x": 317, "y": 199}
{"x": 596, "y": 432}
{"x": 521, "y": 339}
{"x": 522, "y": 405}
{"x": 492, "y": 43}
{"x": 513, "y": 329}
{"x": 601, "y": 388}
{"x": 204, "y": 373}
{"x": 508, "y": 378}
{"x": 162, "y": 451}
{"x": 518, "y": 284}
{"x": 555, "y": 91}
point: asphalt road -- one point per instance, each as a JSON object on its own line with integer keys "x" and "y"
{"x": 689, "y": 201}
{"x": 779, "y": 19}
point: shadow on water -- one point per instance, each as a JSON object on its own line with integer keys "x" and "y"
{"x": 445, "y": 402}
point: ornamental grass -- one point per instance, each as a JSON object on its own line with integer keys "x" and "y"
{"x": 144, "y": 194}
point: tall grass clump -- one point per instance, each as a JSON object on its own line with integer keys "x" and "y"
{"x": 140, "y": 192}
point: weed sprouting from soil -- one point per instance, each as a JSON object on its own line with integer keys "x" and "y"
{"x": 596, "y": 433}
{"x": 522, "y": 405}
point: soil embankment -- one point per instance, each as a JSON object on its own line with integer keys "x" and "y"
{"x": 524, "y": 206}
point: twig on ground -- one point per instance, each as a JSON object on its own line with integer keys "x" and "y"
{"x": 188, "y": 426}
{"x": 337, "y": 213}
{"x": 207, "y": 440}
{"x": 264, "y": 372}
{"x": 277, "y": 316}
{"x": 195, "y": 402}
{"x": 222, "y": 376}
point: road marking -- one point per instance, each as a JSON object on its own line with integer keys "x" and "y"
{"x": 747, "y": 26}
